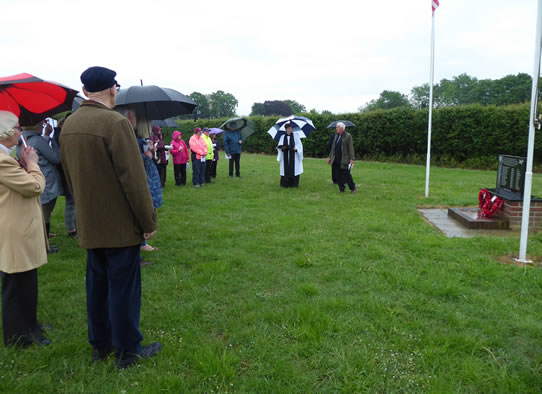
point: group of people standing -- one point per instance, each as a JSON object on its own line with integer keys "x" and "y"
{"x": 204, "y": 149}
{"x": 111, "y": 187}
{"x": 202, "y": 152}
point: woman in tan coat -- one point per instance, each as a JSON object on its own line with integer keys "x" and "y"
{"x": 23, "y": 241}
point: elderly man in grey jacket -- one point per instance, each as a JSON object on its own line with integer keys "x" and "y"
{"x": 49, "y": 158}
{"x": 341, "y": 156}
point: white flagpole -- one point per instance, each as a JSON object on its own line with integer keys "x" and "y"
{"x": 431, "y": 76}
{"x": 529, "y": 170}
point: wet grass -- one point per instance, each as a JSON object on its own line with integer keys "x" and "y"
{"x": 255, "y": 288}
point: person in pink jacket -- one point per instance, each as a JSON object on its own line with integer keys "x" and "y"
{"x": 179, "y": 151}
{"x": 199, "y": 151}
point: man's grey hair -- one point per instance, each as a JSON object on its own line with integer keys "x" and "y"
{"x": 341, "y": 125}
{"x": 125, "y": 110}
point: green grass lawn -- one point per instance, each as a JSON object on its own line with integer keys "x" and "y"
{"x": 256, "y": 288}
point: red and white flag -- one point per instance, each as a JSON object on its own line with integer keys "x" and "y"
{"x": 435, "y": 4}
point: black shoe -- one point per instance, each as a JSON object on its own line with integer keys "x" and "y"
{"x": 127, "y": 359}
{"x": 39, "y": 340}
{"x": 52, "y": 249}
{"x": 72, "y": 234}
{"x": 101, "y": 354}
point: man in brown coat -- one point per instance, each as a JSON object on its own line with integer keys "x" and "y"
{"x": 104, "y": 171}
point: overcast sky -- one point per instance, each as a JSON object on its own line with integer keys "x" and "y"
{"x": 328, "y": 55}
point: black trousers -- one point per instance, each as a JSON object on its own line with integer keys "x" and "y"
{"x": 335, "y": 174}
{"x": 20, "y": 308}
{"x": 179, "y": 170}
{"x": 235, "y": 158}
{"x": 346, "y": 177}
{"x": 208, "y": 170}
{"x": 114, "y": 298}
{"x": 162, "y": 170}
{"x": 47, "y": 210}
{"x": 213, "y": 164}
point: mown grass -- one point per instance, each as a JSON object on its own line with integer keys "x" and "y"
{"x": 256, "y": 288}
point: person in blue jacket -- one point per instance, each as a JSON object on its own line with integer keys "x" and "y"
{"x": 232, "y": 146}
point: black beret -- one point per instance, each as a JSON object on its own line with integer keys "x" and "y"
{"x": 97, "y": 79}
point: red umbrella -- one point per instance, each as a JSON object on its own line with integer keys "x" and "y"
{"x": 33, "y": 99}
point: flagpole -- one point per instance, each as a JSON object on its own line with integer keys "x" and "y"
{"x": 525, "y": 215}
{"x": 431, "y": 76}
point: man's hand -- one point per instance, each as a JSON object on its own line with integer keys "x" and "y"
{"x": 329, "y": 160}
{"x": 148, "y": 236}
{"x": 48, "y": 130}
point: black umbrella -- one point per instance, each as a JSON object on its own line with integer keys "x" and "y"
{"x": 244, "y": 125}
{"x": 153, "y": 102}
{"x": 347, "y": 123}
{"x": 170, "y": 122}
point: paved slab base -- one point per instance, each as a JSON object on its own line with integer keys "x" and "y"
{"x": 438, "y": 217}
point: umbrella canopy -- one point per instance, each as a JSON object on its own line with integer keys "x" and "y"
{"x": 153, "y": 102}
{"x": 244, "y": 125}
{"x": 347, "y": 123}
{"x": 216, "y": 130}
{"x": 301, "y": 125}
{"x": 33, "y": 99}
{"x": 169, "y": 122}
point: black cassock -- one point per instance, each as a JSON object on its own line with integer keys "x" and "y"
{"x": 289, "y": 179}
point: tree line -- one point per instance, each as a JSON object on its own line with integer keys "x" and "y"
{"x": 460, "y": 90}
{"x": 221, "y": 104}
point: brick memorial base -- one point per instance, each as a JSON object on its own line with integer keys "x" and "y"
{"x": 512, "y": 210}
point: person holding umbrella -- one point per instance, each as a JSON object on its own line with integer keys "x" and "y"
{"x": 49, "y": 160}
{"x": 233, "y": 140}
{"x": 290, "y": 156}
{"x": 23, "y": 239}
{"x": 342, "y": 156}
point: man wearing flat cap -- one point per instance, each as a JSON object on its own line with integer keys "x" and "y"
{"x": 105, "y": 173}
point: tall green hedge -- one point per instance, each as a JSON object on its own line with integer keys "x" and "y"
{"x": 468, "y": 136}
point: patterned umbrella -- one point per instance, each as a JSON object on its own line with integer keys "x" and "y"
{"x": 32, "y": 99}
{"x": 301, "y": 125}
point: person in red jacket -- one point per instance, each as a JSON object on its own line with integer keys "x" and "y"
{"x": 179, "y": 151}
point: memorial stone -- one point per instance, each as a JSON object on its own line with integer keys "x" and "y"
{"x": 511, "y": 175}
